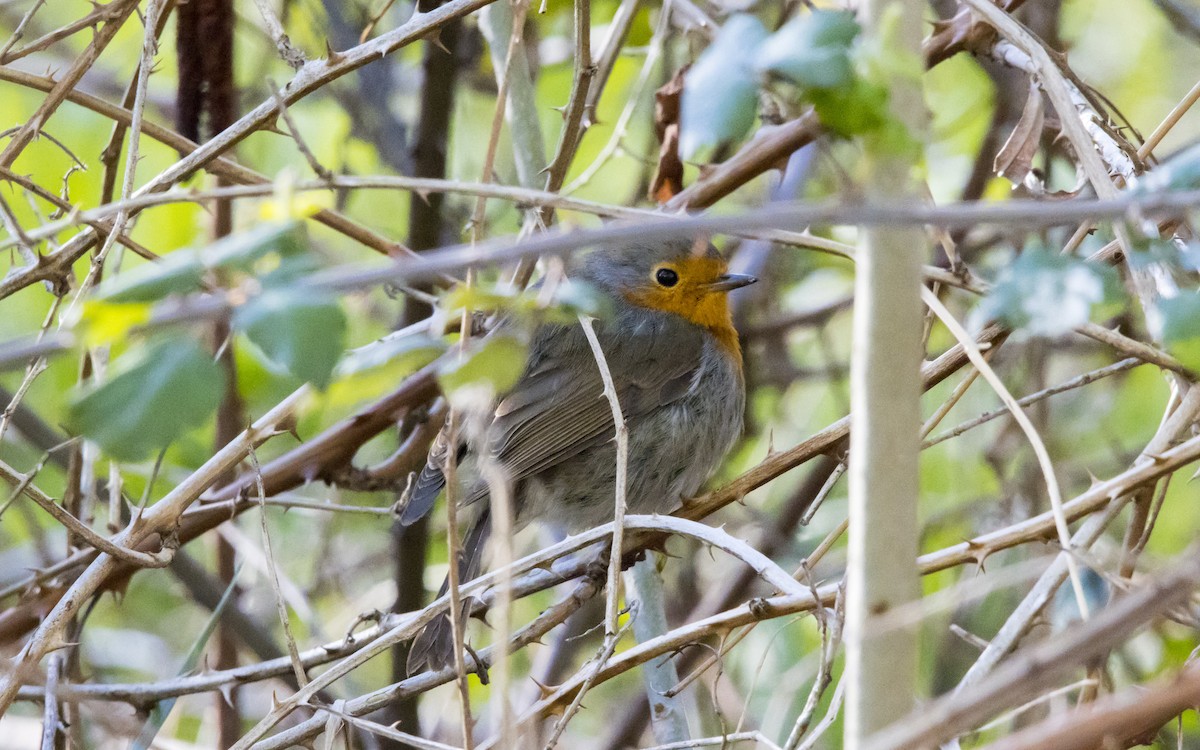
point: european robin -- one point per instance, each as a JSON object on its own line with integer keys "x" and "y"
{"x": 675, "y": 360}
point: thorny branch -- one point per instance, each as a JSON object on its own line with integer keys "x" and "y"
{"x": 192, "y": 507}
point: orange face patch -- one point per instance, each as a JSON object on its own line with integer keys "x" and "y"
{"x": 691, "y": 297}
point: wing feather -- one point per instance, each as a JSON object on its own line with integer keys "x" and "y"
{"x": 558, "y": 408}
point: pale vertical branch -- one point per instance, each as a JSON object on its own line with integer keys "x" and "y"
{"x": 886, "y": 388}
{"x": 667, "y": 712}
{"x": 525, "y": 129}
{"x": 51, "y": 721}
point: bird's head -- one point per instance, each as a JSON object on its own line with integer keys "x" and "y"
{"x": 679, "y": 276}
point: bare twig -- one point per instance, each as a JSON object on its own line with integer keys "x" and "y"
{"x": 292, "y": 56}
{"x": 1118, "y": 719}
{"x": 1078, "y": 381}
{"x": 273, "y": 576}
{"x": 1041, "y": 666}
{"x": 19, "y": 31}
{"x": 122, "y": 9}
{"x": 1039, "y": 447}
{"x": 159, "y": 518}
{"x": 23, "y": 484}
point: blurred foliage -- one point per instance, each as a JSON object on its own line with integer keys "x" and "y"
{"x": 159, "y": 387}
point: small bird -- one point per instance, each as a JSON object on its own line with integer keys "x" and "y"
{"x": 676, "y": 363}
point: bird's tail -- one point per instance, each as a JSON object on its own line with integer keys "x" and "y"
{"x": 434, "y": 646}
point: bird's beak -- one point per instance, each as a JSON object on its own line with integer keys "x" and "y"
{"x": 730, "y": 281}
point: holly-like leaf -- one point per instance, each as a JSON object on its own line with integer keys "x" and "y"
{"x": 491, "y": 367}
{"x": 300, "y": 332}
{"x": 812, "y": 50}
{"x": 571, "y": 299}
{"x": 720, "y": 92}
{"x": 1047, "y": 294}
{"x": 181, "y": 272}
{"x": 153, "y": 397}
{"x": 242, "y": 250}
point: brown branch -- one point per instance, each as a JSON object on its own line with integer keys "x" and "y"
{"x": 766, "y": 150}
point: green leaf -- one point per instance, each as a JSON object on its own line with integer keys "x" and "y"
{"x": 152, "y": 398}
{"x": 300, "y": 332}
{"x": 242, "y": 250}
{"x": 812, "y": 50}
{"x": 1181, "y": 328}
{"x": 162, "y": 709}
{"x": 720, "y": 92}
{"x": 182, "y": 272}
{"x": 857, "y": 108}
{"x": 574, "y": 298}
{"x": 104, "y": 322}
{"x": 409, "y": 352}
{"x": 491, "y": 367}
{"x": 571, "y": 299}
{"x": 1047, "y": 294}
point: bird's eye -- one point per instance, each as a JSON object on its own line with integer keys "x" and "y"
{"x": 666, "y": 277}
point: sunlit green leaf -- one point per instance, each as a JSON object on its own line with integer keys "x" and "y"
{"x": 1047, "y": 294}
{"x": 490, "y": 367}
{"x": 150, "y": 399}
{"x": 574, "y": 298}
{"x": 859, "y": 107}
{"x": 812, "y": 50}
{"x": 243, "y": 249}
{"x": 105, "y": 322}
{"x": 720, "y": 92}
{"x": 301, "y": 332}
{"x": 570, "y": 299}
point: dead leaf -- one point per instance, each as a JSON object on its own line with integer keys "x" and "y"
{"x": 668, "y": 175}
{"x": 1015, "y": 158}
